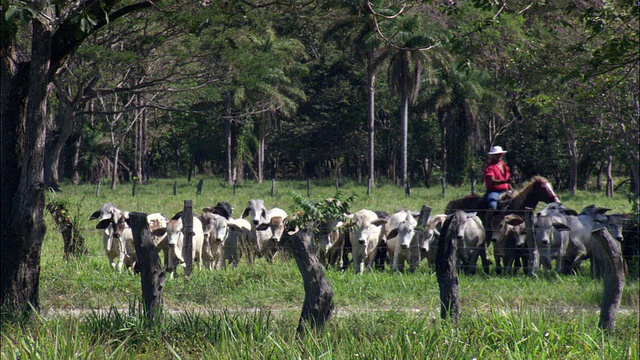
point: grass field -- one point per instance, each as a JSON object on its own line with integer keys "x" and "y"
{"x": 251, "y": 312}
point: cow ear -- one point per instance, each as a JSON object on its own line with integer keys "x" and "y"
{"x": 159, "y": 232}
{"x": 177, "y": 216}
{"x": 103, "y": 224}
{"x": 262, "y": 227}
{"x": 569, "y": 212}
{"x": 603, "y": 210}
{"x": 561, "y": 227}
{"x": 379, "y": 222}
{"x": 245, "y": 213}
{"x": 207, "y": 209}
{"x": 515, "y": 221}
{"x": 393, "y": 233}
{"x": 95, "y": 215}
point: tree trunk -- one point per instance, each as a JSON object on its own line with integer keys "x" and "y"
{"x": 371, "y": 121}
{"x": 23, "y": 142}
{"x": 609, "y": 258}
{"x": 75, "y": 178}
{"x": 114, "y": 173}
{"x": 404, "y": 124}
{"x": 609, "y": 177}
{"x": 152, "y": 275}
{"x": 446, "y": 274}
{"x": 64, "y": 122}
{"x": 318, "y": 300}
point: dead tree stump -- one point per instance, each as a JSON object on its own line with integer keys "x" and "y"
{"x": 73, "y": 240}
{"x": 608, "y": 256}
{"x": 152, "y": 276}
{"x": 423, "y": 218}
{"x": 318, "y": 294}
{"x": 446, "y": 274}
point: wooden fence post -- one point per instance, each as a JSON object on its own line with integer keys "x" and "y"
{"x": 369, "y": 185}
{"x": 308, "y": 188}
{"x": 609, "y": 257}
{"x": 407, "y": 190}
{"x": 534, "y": 258}
{"x": 446, "y": 273}
{"x": 152, "y": 276}
{"x": 443, "y": 183}
{"x": 414, "y": 261}
{"x": 175, "y": 188}
{"x": 199, "y": 190}
{"x": 98, "y": 187}
{"x": 235, "y": 185}
{"x": 273, "y": 187}
{"x": 187, "y": 230}
{"x": 318, "y": 294}
{"x": 133, "y": 189}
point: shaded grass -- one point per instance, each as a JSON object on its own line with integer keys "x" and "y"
{"x": 496, "y": 334}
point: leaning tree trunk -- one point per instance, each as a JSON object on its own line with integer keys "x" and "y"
{"x": 318, "y": 300}
{"x": 23, "y": 140}
{"x": 446, "y": 274}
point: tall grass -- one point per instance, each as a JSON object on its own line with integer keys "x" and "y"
{"x": 90, "y": 311}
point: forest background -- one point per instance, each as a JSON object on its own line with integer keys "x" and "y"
{"x": 408, "y": 91}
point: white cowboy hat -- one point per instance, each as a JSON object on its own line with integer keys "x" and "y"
{"x": 496, "y": 150}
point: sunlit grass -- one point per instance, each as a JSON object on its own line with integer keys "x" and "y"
{"x": 91, "y": 311}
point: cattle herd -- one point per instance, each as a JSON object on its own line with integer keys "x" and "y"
{"x": 369, "y": 239}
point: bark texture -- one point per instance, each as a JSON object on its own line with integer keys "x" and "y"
{"x": 446, "y": 274}
{"x": 609, "y": 258}
{"x": 152, "y": 275}
{"x": 318, "y": 300}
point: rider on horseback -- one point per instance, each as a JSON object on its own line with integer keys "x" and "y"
{"x": 496, "y": 177}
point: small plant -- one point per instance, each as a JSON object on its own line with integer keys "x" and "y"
{"x": 73, "y": 240}
{"x": 308, "y": 211}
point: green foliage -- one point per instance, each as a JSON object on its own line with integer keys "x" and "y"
{"x": 308, "y": 211}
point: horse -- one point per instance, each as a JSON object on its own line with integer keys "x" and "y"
{"x": 539, "y": 189}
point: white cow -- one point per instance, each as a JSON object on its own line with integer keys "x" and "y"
{"x": 158, "y": 228}
{"x": 117, "y": 237}
{"x": 176, "y": 240}
{"x": 257, "y": 212}
{"x": 467, "y": 230}
{"x": 432, "y": 234}
{"x": 551, "y": 235}
{"x": 216, "y": 231}
{"x": 366, "y": 230}
{"x": 400, "y": 230}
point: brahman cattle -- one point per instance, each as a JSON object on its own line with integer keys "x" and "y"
{"x": 429, "y": 245}
{"x": 551, "y": 235}
{"x": 400, "y": 230}
{"x": 510, "y": 244}
{"x": 117, "y": 237}
{"x": 467, "y": 230}
{"x": 176, "y": 240}
{"x": 365, "y": 231}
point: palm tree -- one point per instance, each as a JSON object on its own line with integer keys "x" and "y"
{"x": 362, "y": 38}
{"x": 262, "y": 87}
{"x": 414, "y": 55}
{"x": 458, "y": 100}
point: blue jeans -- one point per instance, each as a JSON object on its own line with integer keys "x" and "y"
{"x": 492, "y": 198}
